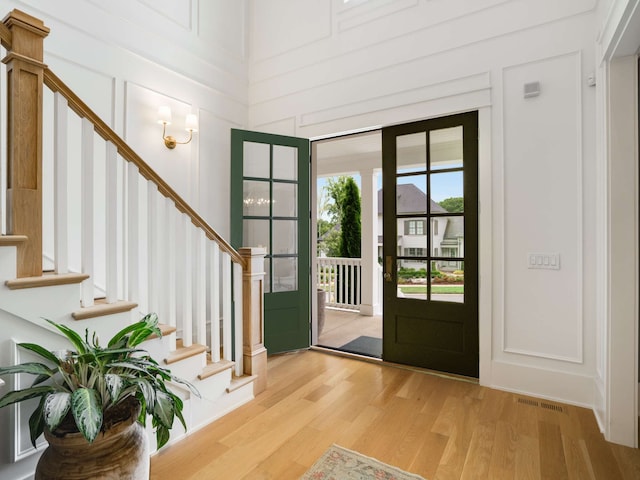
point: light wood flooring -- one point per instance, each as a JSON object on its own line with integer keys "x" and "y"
{"x": 437, "y": 427}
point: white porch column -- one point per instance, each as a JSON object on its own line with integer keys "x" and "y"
{"x": 369, "y": 239}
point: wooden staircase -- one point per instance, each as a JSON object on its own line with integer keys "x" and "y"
{"x": 51, "y": 296}
{"x": 207, "y": 294}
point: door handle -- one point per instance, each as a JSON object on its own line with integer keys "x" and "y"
{"x": 388, "y": 264}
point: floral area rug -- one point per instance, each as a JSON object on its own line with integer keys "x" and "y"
{"x": 338, "y": 463}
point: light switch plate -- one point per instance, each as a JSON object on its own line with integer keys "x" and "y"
{"x": 547, "y": 261}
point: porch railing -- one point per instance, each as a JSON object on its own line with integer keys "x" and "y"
{"x": 341, "y": 278}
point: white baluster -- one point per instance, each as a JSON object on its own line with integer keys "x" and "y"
{"x": 161, "y": 267}
{"x": 112, "y": 224}
{"x": 201, "y": 286}
{"x": 87, "y": 166}
{"x": 172, "y": 273}
{"x": 238, "y": 321}
{"x": 358, "y": 282}
{"x": 61, "y": 204}
{"x": 226, "y": 306}
{"x": 133, "y": 233}
{"x": 152, "y": 247}
{"x": 214, "y": 299}
{"x": 186, "y": 295}
{"x": 352, "y": 282}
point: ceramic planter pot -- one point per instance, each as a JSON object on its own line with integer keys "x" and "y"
{"x": 121, "y": 452}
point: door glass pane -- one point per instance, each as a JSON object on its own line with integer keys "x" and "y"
{"x": 447, "y": 273}
{"x": 411, "y": 196}
{"x": 267, "y": 275}
{"x": 414, "y": 240}
{"x": 285, "y": 237}
{"x": 255, "y": 233}
{"x": 447, "y": 237}
{"x": 256, "y": 198}
{"x": 412, "y": 279}
{"x": 285, "y": 165}
{"x": 256, "y": 160}
{"x": 447, "y": 185}
{"x": 285, "y": 274}
{"x": 445, "y": 148}
{"x": 447, "y": 286}
{"x": 411, "y": 152}
{"x": 285, "y": 199}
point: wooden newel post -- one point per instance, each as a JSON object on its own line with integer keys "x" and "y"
{"x": 255, "y": 354}
{"x": 25, "y": 73}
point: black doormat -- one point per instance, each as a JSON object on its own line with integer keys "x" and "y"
{"x": 363, "y": 345}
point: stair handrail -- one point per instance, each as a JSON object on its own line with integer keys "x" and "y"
{"x": 55, "y": 84}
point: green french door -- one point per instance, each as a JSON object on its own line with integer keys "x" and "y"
{"x": 270, "y": 209}
{"x": 430, "y": 248}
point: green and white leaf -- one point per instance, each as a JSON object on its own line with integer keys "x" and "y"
{"x": 26, "y": 394}
{"x": 148, "y": 392}
{"x": 163, "y": 410}
{"x": 36, "y": 422}
{"x": 43, "y": 352}
{"x": 162, "y": 435}
{"x": 114, "y": 385}
{"x": 55, "y": 409}
{"x": 76, "y": 340}
{"x": 33, "y": 368}
{"x": 87, "y": 411}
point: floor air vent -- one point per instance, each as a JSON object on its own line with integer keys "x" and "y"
{"x": 555, "y": 408}
{"x": 547, "y": 406}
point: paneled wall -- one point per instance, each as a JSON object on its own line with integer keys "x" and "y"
{"x": 323, "y": 67}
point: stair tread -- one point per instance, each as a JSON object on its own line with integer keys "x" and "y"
{"x": 102, "y": 308}
{"x": 239, "y": 382}
{"x": 46, "y": 280}
{"x": 12, "y": 240}
{"x": 184, "y": 352}
{"x": 215, "y": 367}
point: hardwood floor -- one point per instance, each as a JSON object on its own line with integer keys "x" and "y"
{"x": 437, "y": 427}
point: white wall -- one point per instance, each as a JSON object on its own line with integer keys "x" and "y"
{"x": 330, "y": 67}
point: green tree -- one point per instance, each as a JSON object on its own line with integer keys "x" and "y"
{"x": 335, "y": 189}
{"x": 328, "y": 238}
{"x": 453, "y": 204}
{"x": 350, "y": 218}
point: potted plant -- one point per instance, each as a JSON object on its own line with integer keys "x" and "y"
{"x": 94, "y": 403}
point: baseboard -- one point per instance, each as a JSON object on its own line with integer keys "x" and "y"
{"x": 554, "y": 385}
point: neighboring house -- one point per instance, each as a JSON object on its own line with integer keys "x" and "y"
{"x": 447, "y": 233}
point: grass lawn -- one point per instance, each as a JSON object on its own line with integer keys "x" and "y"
{"x": 434, "y": 289}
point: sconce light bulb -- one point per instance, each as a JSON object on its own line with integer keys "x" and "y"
{"x": 191, "y": 123}
{"x": 164, "y": 115}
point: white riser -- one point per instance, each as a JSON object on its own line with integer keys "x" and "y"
{"x": 189, "y": 368}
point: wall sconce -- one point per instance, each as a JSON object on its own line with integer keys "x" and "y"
{"x": 190, "y": 125}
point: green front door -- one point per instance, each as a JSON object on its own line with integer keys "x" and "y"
{"x": 270, "y": 209}
{"x": 431, "y": 244}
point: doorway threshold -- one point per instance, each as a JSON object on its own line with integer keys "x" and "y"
{"x": 379, "y": 361}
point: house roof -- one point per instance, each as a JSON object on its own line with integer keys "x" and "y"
{"x": 410, "y": 199}
{"x": 455, "y": 228}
